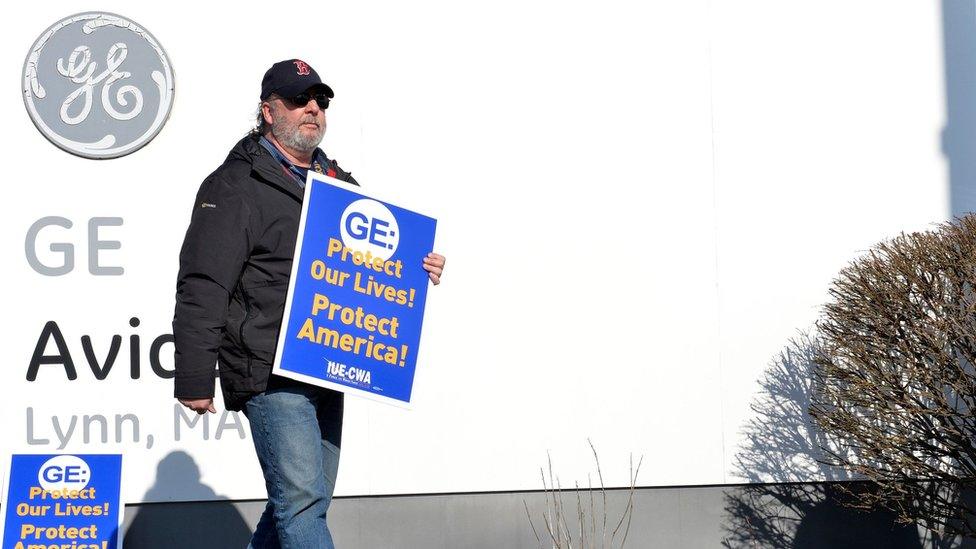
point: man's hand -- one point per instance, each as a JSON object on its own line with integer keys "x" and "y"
{"x": 434, "y": 264}
{"x": 200, "y": 405}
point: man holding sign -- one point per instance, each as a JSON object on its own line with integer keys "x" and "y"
{"x": 233, "y": 281}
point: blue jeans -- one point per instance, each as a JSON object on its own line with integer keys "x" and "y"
{"x": 297, "y": 432}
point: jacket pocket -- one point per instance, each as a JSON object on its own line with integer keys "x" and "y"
{"x": 264, "y": 305}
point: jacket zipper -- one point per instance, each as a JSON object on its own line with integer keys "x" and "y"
{"x": 247, "y": 314}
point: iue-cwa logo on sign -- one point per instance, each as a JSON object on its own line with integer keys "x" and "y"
{"x": 98, "y": 85}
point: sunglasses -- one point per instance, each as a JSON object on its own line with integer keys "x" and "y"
{"x": 302, "y": 99}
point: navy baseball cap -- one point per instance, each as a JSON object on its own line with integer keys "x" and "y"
{"x": 290, "y": 78}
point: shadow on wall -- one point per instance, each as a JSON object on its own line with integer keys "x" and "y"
{"x": 781, "y": 448}
{"x": 204, "y": 523}
{"x": 959, "y": 135}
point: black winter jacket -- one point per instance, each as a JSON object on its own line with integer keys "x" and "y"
{"x": 234, "y": 269}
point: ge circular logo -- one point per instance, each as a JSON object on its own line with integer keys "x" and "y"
{"x": 64, "y": 473}
{"x": 369, "y": 226}
{"x": 98, "y": 85}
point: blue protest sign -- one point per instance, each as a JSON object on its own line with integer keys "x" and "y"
{"x": 355, "y": 305}
{"x": 63, "y": 501}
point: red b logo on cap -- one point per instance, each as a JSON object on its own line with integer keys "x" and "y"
{"x": 303, "y": 67}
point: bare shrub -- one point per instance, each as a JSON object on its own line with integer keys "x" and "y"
{"x": 894, "y": 385}
{"x": 589, "y": 527}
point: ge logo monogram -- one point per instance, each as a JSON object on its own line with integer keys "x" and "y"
{"x": 99, "y": 54}
{"x": 116, "y": 55}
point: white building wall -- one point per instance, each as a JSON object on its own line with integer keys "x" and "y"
{"x": 640, "y": 202}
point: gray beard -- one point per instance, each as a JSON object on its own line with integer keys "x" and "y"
{"x": 292, "y": 136}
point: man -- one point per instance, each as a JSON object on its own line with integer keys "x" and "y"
{"x": 230, "y": 295}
